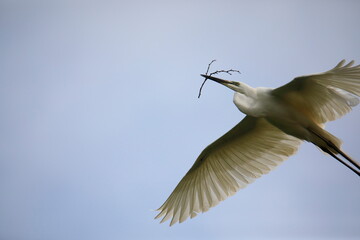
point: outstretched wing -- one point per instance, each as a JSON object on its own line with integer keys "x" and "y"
{"x": 252, "y": 148}
{"x": 326, "y": 96}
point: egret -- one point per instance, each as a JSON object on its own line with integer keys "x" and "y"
{"x": 276, "y": 122}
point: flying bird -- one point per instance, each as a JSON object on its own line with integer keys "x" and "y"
{"x": 277, "y": 121}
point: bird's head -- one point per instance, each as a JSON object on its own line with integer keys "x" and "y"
{"x": 236, "y": 86}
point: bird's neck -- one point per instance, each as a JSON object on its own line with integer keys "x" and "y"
{"x": 246, "y": 100}
{"x": 247, "y": 90}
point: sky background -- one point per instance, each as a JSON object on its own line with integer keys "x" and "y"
{"x": 100, "y": 117}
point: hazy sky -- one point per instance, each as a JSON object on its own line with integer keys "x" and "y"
{"x": 100, "y": 117}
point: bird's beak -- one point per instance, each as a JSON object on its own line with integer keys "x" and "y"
{"x": 226, "y": 83}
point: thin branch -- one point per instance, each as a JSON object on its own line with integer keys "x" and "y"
{"x": 230, "y": 71}
{"x": 207, "y": 70}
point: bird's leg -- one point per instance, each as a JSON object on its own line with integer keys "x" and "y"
{"x": 338, "y": 150}
{"x": 340, "y": 160}
{"x": 356, "y": 164}
{"x": 331, "y": 145}
{"x": 352, "y": 161}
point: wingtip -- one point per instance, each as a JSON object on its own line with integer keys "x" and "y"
{"x": 342, "y": 64}
{"x": 350, "y": 64}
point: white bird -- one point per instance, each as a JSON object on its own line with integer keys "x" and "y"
{"x": 276, "y": 122}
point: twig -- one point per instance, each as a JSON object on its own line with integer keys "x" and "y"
{"x": 230, "y": 71}
{"x": 207, "y": 70}
{"x": 225, "y": 71}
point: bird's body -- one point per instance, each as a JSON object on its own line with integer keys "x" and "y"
{"x": 262, "y": 103}
{"x": 276, "y": 122}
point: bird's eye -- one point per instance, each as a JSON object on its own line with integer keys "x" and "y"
{"x": 236, "y": 83}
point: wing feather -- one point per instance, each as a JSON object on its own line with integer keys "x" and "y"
{"x": 252, "y": 148}
{"x": 326, "y": 96}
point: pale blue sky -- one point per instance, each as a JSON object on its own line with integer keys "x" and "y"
{"x": 100, "y": 117}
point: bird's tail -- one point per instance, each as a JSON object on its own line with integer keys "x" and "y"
{"x": 332, "y": 145}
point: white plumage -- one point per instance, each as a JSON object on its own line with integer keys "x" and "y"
{"x": 277, "y": 121}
